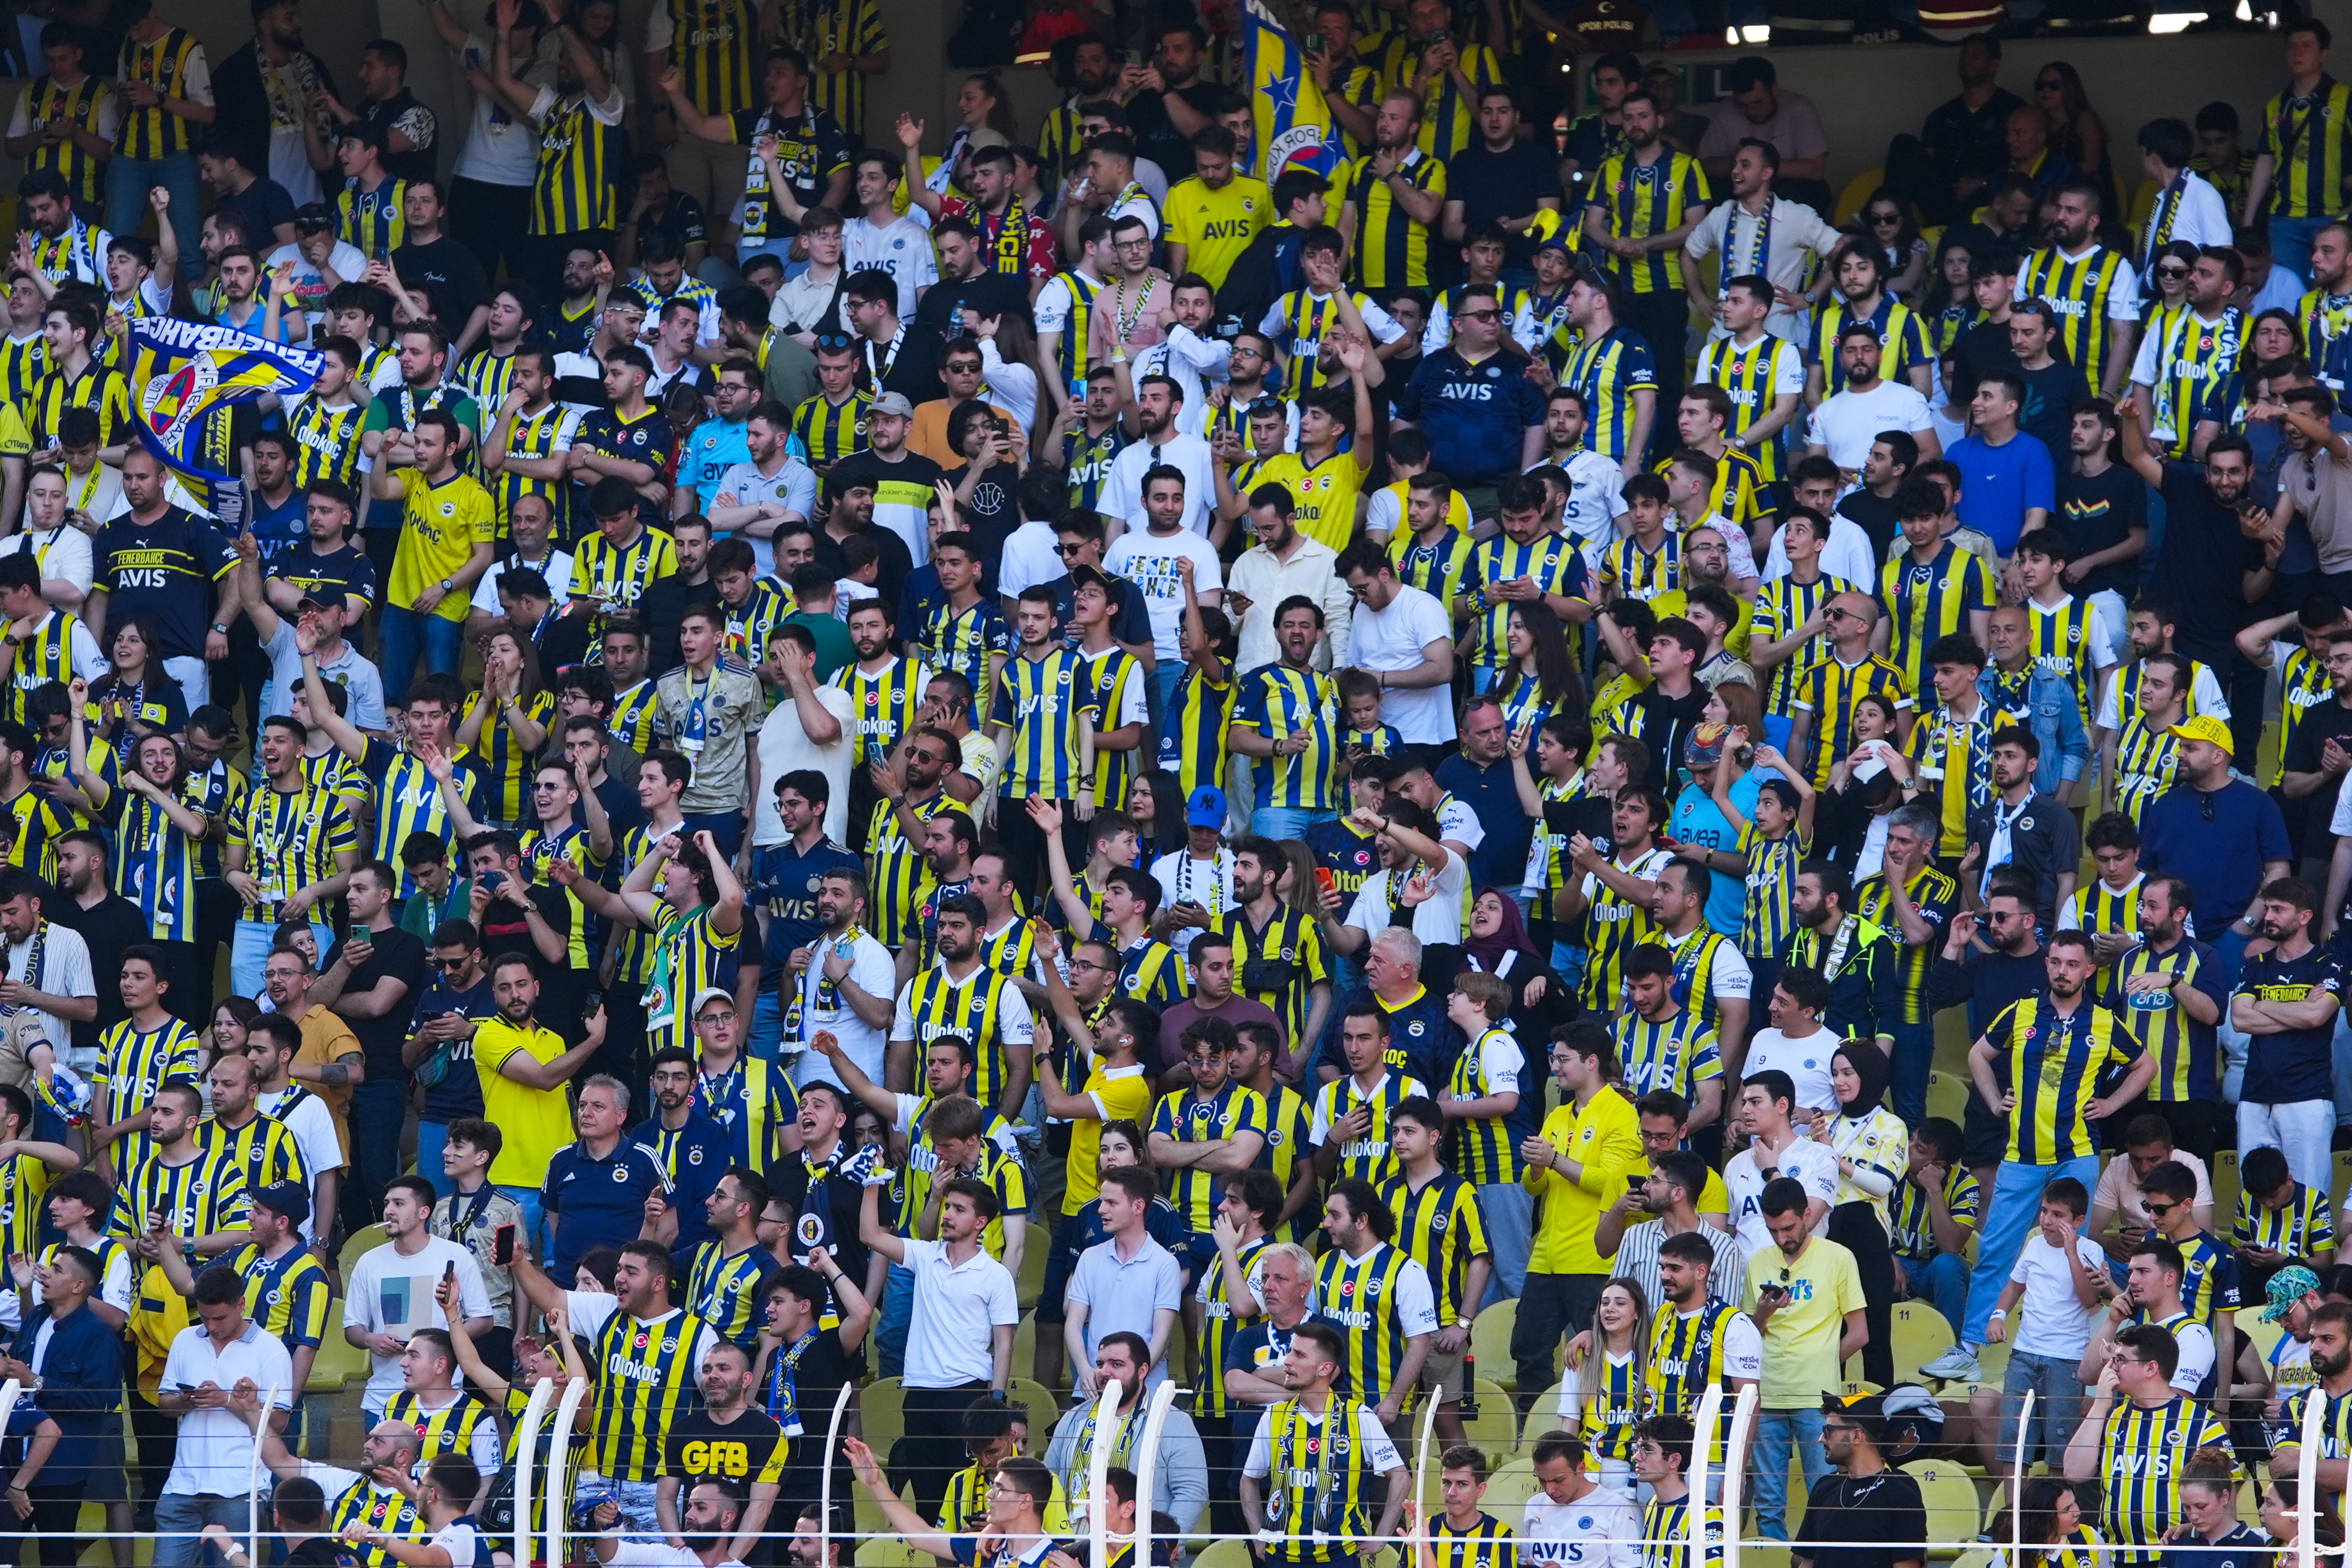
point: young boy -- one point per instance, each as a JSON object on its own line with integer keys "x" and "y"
{"x": 1649, "y": 562}
{"x": 2280, "y": 1221}
{"x": 2109, "y": 908}
{"x": 1771, "y": 848}
{"x": 1366, "y": 735}
{"x": 1462, "y": 1483}
{"x": 2059, "y": 1275}
{"x": 473, "y": 1219}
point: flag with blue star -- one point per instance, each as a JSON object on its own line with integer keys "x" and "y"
{"x": 1294, "y": 127}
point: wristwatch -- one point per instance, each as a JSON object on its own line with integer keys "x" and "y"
{"x": 219, "y": 628}
{"x": 448, "y": 586}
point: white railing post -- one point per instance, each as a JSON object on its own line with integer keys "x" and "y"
{"x": 534, "y": 1415}
{"x": 2017, "y": 1480}
{"x": 1146, "y": 1465}
{"x": 1704, "y": 1421}
{"x": 1411, "y": 1559}
{"x": 825, "y": 1480}
{"x": 1735, "y": 1470}
{"x": 559, "y": 1477}
{"x": 1098, "y": 1473}
{"x": 2306, "y": 1475}
{"x": 252, "y": 1475}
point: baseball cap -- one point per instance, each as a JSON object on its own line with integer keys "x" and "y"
{"x": 892, "y": 403}
{"x": 285, "y": 1198}
{"x": 705, "y": 995}
{"x": 2288, "y": 1286}
{"x": 320, "y": 601}
{"x": 1087, "y": 576}
{"x": 1206, "y": 809}
{"x": 2206, "y": 727}
{"x": 313, "y": 216}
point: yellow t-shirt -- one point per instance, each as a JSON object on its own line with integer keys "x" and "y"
{"x": 534, "y": 1122}
{"x": 1606, "y": 1141}
{"x": 1121, "y": 1094}
{"x": 443, "y": 525}
{"x": 1325, "y": 495}
{"x": 1800, "y": 1342}
{"x": 1716, "y": 1199}
{"x": 1735, "y": 642}
{"x": 1215, "y": 226}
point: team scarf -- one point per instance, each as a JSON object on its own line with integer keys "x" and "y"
{"x": 183, "y": 372}
{"x": 1012, "y": 240}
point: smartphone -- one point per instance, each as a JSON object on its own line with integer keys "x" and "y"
{"x": 1314, "y": 43}
{"x": 595, "y": 1000}
{"x": 1635, "y": 1183}
{"x": 1133, "y": 57}
{"x": 1439, "y": 36}
{"x": 502, "y": 1245}
{"x": 1324, "y": 878}
{"x": 494, "y": 880}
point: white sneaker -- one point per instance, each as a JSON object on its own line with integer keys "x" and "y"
{"x": 1955, "y": 1366}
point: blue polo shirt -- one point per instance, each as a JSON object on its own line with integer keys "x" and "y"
{"x": 598, "y": 1202}
{"x": 1501, "y": 858}
{"x": 1999, "y": 483}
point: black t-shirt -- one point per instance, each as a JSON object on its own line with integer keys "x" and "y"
{"x": 990, "y": 294}
{"x": 1506, "y": 185}
{"x": 700, "y": 1448}
{"x": 107, "y": 927}
{"x": 320, "y": 1552}
{"x": 505, "y": 930}
{"x": 914, "y": 372}
{"x": 1979, "y": 351}
{"x": 995, "y": 510}
{"x": 680, "y": 217}
{"x": 889, "y": 571}
{"x": 1849, "y": 1520}
{"x": 449, "y": 276}
{"x": 2048, "y": 412}
{"x": 2205, "y": 554}
{"x": 264, "y": 204}
{"x": 2308, "y": 819}
{"x": 1156, "y": 136}
{"x": 1875, "y": 515}
{"x": 2095, "y": 512}
{"x": 398, "y": 955}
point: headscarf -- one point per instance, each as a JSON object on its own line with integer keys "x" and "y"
{"x": 1510, "y": 936}
{"x": 1871, "y": 1068}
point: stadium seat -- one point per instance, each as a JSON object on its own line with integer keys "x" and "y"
{"x": 888, "y": 1551}
{"x": 1948, "y": 1096}
{"x": 1223, "y": 1554}
{"x": 1033, "y": 1396}
{"x": 1509, "y": 1486}
{"x": 1543, "y": 1416}
{"x": 2263, "y": 1335}
{"x": 1921, "y": 1334}
{"x": 338, "y": 1361}
{"x": 2343, "y": 1182}
{"x": 1030, "y": 1281}
{"x": 1495, "y": 1428}
{"x": 1025, "y": 1344}
{"x": 882, "y": 1414}
{"x": 1490, "y": 1342}
{"x": 98, "y": 1555}
{"x": 2226, "y": 1188}
{"x": 1857, "y": 190}
{"x": 1765, "y": 1553}
{"x": 359, "y": 1242}
{"x": 1950, "y": 1496}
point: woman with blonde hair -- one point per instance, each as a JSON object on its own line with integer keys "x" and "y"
{"x": 1604, "y": 1392}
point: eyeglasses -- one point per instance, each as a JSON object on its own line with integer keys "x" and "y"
{"x": 1088, "y": 964}
{"x": 1144, "y": 244}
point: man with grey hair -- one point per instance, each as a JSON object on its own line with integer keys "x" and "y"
{"x": 1418, "y": 1027}
{"x": 1254, "y": 1354}
{"x": 597, "y": 1186}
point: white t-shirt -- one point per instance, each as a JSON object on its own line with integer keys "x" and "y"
{"x": 1437, "y": 918}
{"x": 1811, "y": 1164}
{"x": 1391, "y": 640}
{"x": 903, "y": 249}
{"x": 1122, "y": 492}
{"x": 957, "y": 1310}
{"x": 1806, "y": 1061}
{"x": 1207, "y": 883}
{"x": 2054, "y": 1319}
{"x": 114, "y": 1290}
{"x": 785, "y": 745}
{"x": 65, "y": 972}
{"x": 62, "y": 552}
{"x": 1596, "y": 499}
{"x": 556, "y": 569}
{"x": 1149, "y": 560}
{"x": 498, "y": 149}
{"x": 2197, "y": 1353}
{"x": 392, "y": 1293}
{"x": 651, "y": 1554}
{"x": 871, "y": 970}
{"x": 1846, "y": 423}
{"x": 1602, "y": 1528}
{"x": 346, "y": 261}
{"x": 1027, "y": 558}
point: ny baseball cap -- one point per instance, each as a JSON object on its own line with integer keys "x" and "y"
{"x": 1206, "y": 809}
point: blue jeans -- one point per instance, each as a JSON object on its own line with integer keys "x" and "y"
{"x": 2057, "y": 1405}
{"x": 180, "y": 1519}
{"x": 1508, "y": 1211}
{"x": 402, "y": 635}
{"x": 431, "y": 1141}
{"x": 1915, "y": 1054}
{"x": 1161, "y": 690}
{"x": 1941, "y": 1281}
{"x": 1776, "y": 1431}
{"x": 378, "y": 1107}
{"x": 128, "y": 181}
{"x": 1282, "y": 823}
{"x": 249, "y": 950}
{"x": 767, "y": 1026}
{"x": 2009, "y": 1220}
{"x": 2291, "y": 242}
{"x": 898, "y": 1313}
{"x": 535, "y": 1229}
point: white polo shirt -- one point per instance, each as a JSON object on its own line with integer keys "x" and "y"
{"x": 216, "y": 1452}
{"x": 957, "y": 1309}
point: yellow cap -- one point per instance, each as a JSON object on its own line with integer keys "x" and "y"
{"x": 2206, "y": 727}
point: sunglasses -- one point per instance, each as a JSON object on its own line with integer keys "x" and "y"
{"x": 1067, "y": 550}
{"x": 2050, "y": 84}
{"x": 832, "y": 342}
{"x": 450, "y": 966}
{"x": 1887, "y": 217}
{"x": 2159, "y": 1210}
{"x": 2172, "y": 272}
{"x": 1479, "y": 315}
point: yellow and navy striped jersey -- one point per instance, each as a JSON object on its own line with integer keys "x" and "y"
{"x": 1368, "y": 1156}
{"x": 723, "y": 1290}
{"x": 23, "y": 1182}
{"x": 1614, "y": 925}
{"x": 1946, "y": 327}
{"x": 1361, "y": 1295}
{"x": 486, "y": 377}
{"x": 688, "y": 949}
{"x": 1607, "y": 1396}
{"x": 2303, "y": 686}
{"x": 544, "y": 435}
{"x": 408, "y": 800}
{"x": 163, "y": 62}
{"x": 1924, "y": 601}
{"x": 365, "y": 1505}
{"x": 287, "y": 1295}
{"x": 1289, "y": 1138}
{"x": 1435, "y": 567}
{"x": 572, "y": 186}
{"x": 1449, "y": 116}
{"x": 962, "y": 642}
{"x": 1738, "y": 479}
{"x": 754, "y": 1101}
{"x": 1070, "y": 354}
{"x": 40, "y": 823}
{"x": 2196, "y": 374}
{"x": 78, "y": 106}
{"x": 1220, "y": 1317}
{"x": 1187, "y": 1118}
{"x": 1903, "y": 340}
{"x": 963, "y": 1508}
{"x": 2083, "y": 291}
{"x": 1876, "y": 1142}
{"x": 1954, "y": 757}
{"x": 2123, "y": 687}
{"x": 1687, "y": 1352}
{"x": 2305, "y": 138}
{"x": 1488, "y": 1543}
{"x": 2106, "y": 911}
{"x": 1113, "y": 686}
{"x": 218, "y": 793}
{"x": 1192, "y": 732}
{"x": 1320, "y": 1493}
{"x": 972, "y": 1008}
{"x": 264, "y": 1146}
{"x": 1609, "y": 370}
{"x": 1289, "y": 949}
{"x": 650, "y": 1364}
{"x": 617, "y": 576}
{"x": 2139, "y": 1469}
{"x": 752, "y": 624}
{"x": 2209, "y": 1279}
{"x": 1278, "y": 701}
{"x": 1438, "y": 1224}
{"x": 1935, "y": 896}
{"x": 1306, "y": 318}
{"x": 832, "y": 430}
{"x": 882, "y": 703}
{"x": 1631, "y": 570}
{"x": 1676, "y": 1053}
{"x": 1392, "y": 251}
{"x": 2063, "y": 646}
{"x": 1754, "y": 376}
{"x": 23, "y": 362}
{"x": 1641, "y": 201}
{"x": 1552, "y": 561}
{"x": 2054, "y": 1062}
{"x": 1830, "y": 689}
{"x": 504, "y": 781}
{"x": 99, "y": 388}
{"x": 712, "y": 44}
{"x": 1086, "y": 458}
{"x": 852, "y": 28}
{"x": 1783, "y": 605}
{"x": 1768, "y": 918}
{"x": 375, "y": 223}
{"x": 2145, "y": 760}
{"x": 132, "y": 1064}
{"x": 1909, "y": 1226}
{"x": 204, "y": 1194}
{"x": 442, "y": 1434}
{"x": 1042, "y": 702}
{"x": 1483, "y": 1148}
{"x": 1665, "y": 1526}
{"x": 2303, "y": 1228}
{"x": 2184, "y": 1049}
{"x": 900, "y": 875}
{"x": 327, "y": 440}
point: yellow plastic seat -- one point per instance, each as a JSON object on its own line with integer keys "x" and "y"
{"x": 1029, "y": 1281}
{"x": 1509, "y": 1486}
{"x": 1025, "y": 1345}
{"x": 1951, "y": 1497}
{"x": 361, "y": 1240}
{"x": 1857, "y": 190}
{"x": 882, "y": 1414}
{"x": 1490, "y": 1342}
{"x": 1543, "y": 1416}
{"x": 1494, "y": 1430}
{"x": 2226, "y": 1188}
{"x": 1765, "y": 1553}
{"x": 1223, "y": 1554}
{"x": 2343, "y": 1174}
{"x": 1921, "y": 1334}
{"x": 1028, "y": 1394}
{"x": 1948, "y": 1096}
{"x": 889, "y": 1551}
{"x": 337, "y": 1363}
{"x": 98, "y": 1555}
{"x": 2264, "y": 1336}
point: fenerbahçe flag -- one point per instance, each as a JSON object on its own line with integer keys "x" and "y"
{"x": 183, "y": 374}
{"x": 1293, "y": 125}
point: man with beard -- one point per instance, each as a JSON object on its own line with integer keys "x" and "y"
{"x": 2223, "y": 835}
{"x": 1015, "y": 242}
{"x": 2284, "y": 1001}
{"x": 844, "y": 980}
{"x": 692, "y": 1149}
{"x": 1187, "y": 354}
{"x": 1868, "y": 1513}
{"x": 2023, "y": 828}
{"x": 1858, "y": 960}
{"x": 586, "y": 283}
{"x": 800, "y": 155}
{"x": 1642, "y": 231}
{"x": 2095, "y": 290}
{"x": 908, "y": 787}
{"x": 724, "y": 1439}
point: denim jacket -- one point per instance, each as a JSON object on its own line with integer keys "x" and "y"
{"x": 2057, "y": 728}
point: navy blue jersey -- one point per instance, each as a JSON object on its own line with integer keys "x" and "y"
{"x": 784, "y": 883}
